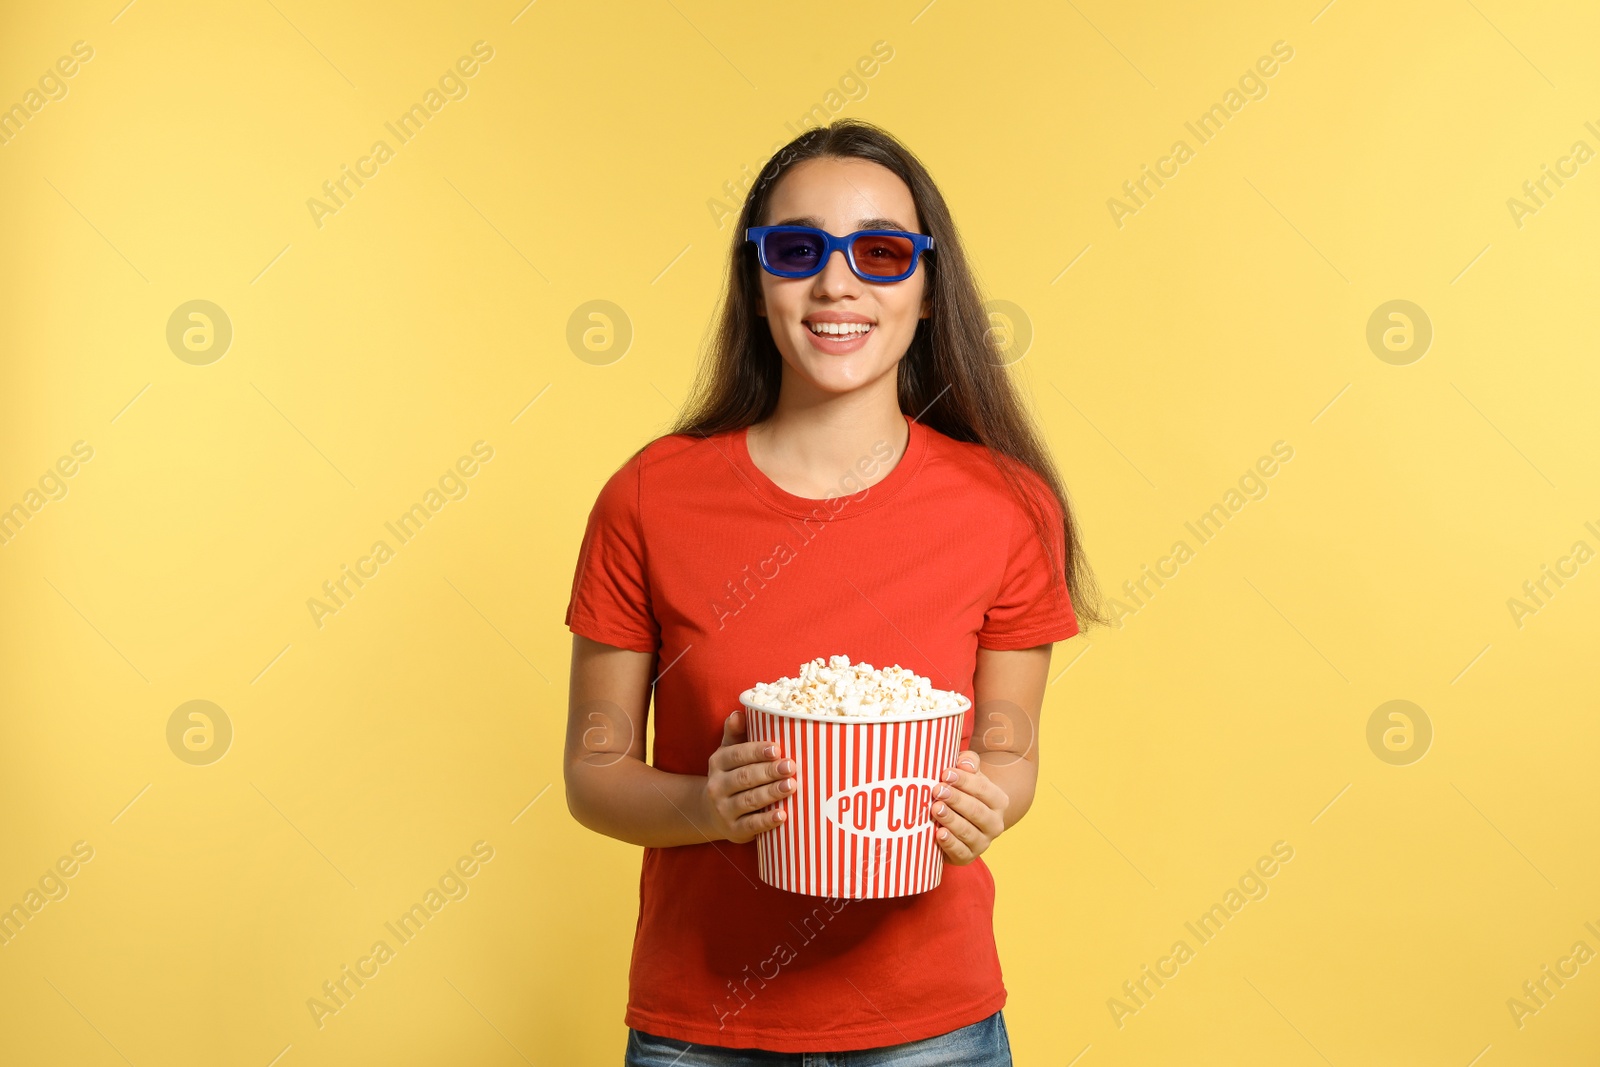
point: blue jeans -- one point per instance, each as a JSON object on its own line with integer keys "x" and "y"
{"x": 983, "y": 1044}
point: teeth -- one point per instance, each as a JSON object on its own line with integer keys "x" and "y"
{"x": 840, "y": 328}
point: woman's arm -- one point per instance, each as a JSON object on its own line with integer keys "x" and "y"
{"x": 613, "y": 791}
{"x": 992, "y": 784}
{"x": 610, "y": 788}
{"x": 1008, "y": 688}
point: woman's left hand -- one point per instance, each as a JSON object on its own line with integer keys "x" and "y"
{"x": 969, "y": 809}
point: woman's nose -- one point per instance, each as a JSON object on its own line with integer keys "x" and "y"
{"x": 836, "y": 273}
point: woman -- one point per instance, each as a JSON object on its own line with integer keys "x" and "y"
{"x": 854, "y": 475}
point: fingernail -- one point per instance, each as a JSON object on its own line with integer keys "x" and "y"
{"x": 951, "y": 775}
{"x": 770, "y": 750}
{"x": 967, "y": 765}
{"x": 938, "y": 809}
{"x": 942, "y": 792}
{"x": 787, "y": 766}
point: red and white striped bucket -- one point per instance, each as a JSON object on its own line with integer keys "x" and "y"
{"x": 859, "y": 825}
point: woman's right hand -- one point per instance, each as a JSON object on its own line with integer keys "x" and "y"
{"x": 743, "y": 777}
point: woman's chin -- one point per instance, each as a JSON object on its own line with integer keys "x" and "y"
{"x": 837, "y": 374}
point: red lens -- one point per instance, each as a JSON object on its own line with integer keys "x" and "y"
{"x": 882, "y": 255}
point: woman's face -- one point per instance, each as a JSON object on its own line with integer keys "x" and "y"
{"x": 842, "y": 196}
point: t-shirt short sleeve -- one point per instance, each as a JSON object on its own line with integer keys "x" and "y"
{"x": 610, "y": 600}
{"x": 1032, "y": 606}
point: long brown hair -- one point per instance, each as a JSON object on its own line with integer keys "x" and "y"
{"x": 951, "y": 377}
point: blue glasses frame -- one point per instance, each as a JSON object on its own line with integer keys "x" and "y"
{"x": 920, "y": 243}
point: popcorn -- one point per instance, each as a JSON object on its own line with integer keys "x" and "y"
{"x": 840, "y": 689}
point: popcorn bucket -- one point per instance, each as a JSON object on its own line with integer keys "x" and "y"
{"x": 859, "y": 825}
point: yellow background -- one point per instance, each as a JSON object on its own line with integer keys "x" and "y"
{"x": 1228, "y": 712}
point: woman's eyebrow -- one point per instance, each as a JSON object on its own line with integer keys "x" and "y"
{"x": 861, "y": 224}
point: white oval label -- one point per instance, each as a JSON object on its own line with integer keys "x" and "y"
{"x": 892, "y": 807}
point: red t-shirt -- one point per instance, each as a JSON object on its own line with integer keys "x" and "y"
{"x": 692, "y": 553}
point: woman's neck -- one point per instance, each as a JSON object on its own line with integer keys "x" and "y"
{"x": 811, "y": 443}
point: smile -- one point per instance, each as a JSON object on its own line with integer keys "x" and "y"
{"x": 840, "y": 329}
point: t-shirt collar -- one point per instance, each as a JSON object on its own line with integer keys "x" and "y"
{"x": 841, "y": 505}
